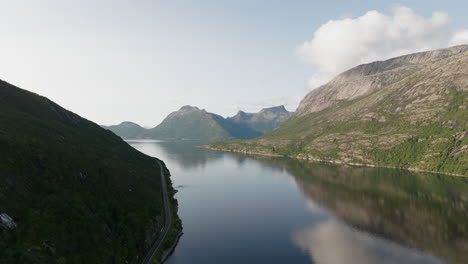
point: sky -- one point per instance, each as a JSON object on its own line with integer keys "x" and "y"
{"x": 135, "y": 60}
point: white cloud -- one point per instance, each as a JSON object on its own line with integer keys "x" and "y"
{"x": 341, "y": 44}
{"x": 319, "y": 79}
{"x": 461, "y": 37}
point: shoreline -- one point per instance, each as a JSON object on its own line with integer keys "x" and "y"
{"x": 331, "y": 161}
{"x": 166, "y": 254}
{"x": 158, "y": 244}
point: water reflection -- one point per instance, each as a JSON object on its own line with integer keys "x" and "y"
{"x": 421, "y": 210}
{"x": 273, "y": 210}
{"x": 186, "y": 154}
{"x": 331, "y": 242}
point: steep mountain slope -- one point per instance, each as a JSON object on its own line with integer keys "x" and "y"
{"x": 368, "y": 78}
{"x": 409, "y": 112}
{"x": 77, "y": 192}
{"x": 126, "y": 130}
{"x": 265, "y": 120}
{"x": 240, "y": 131}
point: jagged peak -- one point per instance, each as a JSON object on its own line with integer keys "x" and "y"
{"x": 279, "y": 108}
{"x": 242, "y": 113}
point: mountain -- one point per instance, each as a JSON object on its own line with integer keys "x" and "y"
{"x": 409, "y": 112}
{"x": 192, "y": 123}
{"x": 196, "y": 124}
{"x": 126, "y": 130}
{"x": 265, "y": 120}
{"x": 76, "y": 192}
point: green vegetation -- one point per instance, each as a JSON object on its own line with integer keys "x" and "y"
{"x": 418, "y": 120}
{"x": 192, "y": 123}
{"x": 189, "y": 123}
{"x": 176, "y": 226}
{"x": 78, "y": 193}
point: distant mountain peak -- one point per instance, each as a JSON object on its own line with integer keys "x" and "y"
{"x": 128, "y": 123}
{"x": 126, "y": 129}
{"x": 191, "y": 122}
{"x": 263, "y": 121}
{"x": 243, "y": 114}
{"x": 279, "y": 108}
{"x": 189, "y": 108}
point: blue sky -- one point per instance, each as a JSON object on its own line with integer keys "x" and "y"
{"x": 111, "y": 61}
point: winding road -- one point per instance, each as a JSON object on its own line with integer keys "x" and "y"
{"x": 167, "y": 220}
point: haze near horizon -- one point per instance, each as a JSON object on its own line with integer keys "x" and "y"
{"x": 111, "y": 61}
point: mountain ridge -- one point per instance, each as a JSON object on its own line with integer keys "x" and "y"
{"x": 126, "y": 129}
{"x": 64, "y": 176}
{"x": 193, "y": 123}
{"x": 265, "y": 120}
{"x": 367, "y": 78}
{"x": 407, "y": 115}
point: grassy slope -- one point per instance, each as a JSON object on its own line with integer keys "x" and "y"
{"x": 418, "y": 122}
{"x": 196, "y": 126}
{"x": 264, "y": 126}
{"x": 78, "y": 193}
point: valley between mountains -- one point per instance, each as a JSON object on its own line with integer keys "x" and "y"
{"x": 227, "y": 132}
{"x": 192, "y": 123}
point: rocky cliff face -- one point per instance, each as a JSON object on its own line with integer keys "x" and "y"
{"x": 263, "y": 121}
{"x": 368, "y": 78}
{"x": 409, "y": 112}
{"x": 241, "y": 116}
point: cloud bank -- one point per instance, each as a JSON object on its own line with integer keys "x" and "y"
{"x": 339, "y": 45}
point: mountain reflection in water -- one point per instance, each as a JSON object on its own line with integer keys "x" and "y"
{"x": 381, "y": 206}
{"x": 186, "y": 154}
{"x": 246, "y": 209}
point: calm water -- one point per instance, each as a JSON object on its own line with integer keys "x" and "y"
{"x": 238, "y": 209}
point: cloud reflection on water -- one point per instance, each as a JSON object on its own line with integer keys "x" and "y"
{"x": 333, "y": 242}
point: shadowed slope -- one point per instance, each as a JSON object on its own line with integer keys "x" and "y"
{"x": 78, "y": 193}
